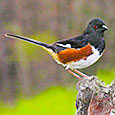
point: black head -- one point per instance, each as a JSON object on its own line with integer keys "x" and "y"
{"x": 96, "y": 25}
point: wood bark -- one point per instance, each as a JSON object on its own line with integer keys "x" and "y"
{"x": 94, "y": 98}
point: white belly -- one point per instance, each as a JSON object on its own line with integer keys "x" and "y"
{"x": 83, "y": 63}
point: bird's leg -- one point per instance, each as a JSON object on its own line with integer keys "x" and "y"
{"x": 77, "y": 76}
{"x": 80, "y": 73}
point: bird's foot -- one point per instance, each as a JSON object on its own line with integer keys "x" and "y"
{"x": 74, "y": 74}
{"x": 79, "y": 75}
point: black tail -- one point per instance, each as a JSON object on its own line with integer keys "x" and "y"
{"x": 29, "y": 40}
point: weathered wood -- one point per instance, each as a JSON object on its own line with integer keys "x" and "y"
{"x": 94, "y": 98}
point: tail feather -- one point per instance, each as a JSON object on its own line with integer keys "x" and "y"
{"x": 29, "y": 40}
{"x": 49, "y": 48}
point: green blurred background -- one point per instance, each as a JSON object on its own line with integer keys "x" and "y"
{"x": 31, "y": 83}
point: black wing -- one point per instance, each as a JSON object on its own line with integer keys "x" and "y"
{"x": 75, "y": 42}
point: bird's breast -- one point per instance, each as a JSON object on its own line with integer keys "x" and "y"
{"x": 79, "y": 58}
{"x": 72, "y": 55}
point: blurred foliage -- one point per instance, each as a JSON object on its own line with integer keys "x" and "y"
{"x": 106, "y": 75}
{"x": 53, "y": 101}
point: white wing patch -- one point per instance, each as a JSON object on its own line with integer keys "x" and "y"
{"x": 65, "y": 46}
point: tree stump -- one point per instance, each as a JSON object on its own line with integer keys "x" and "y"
{"x": 94, "y": 98}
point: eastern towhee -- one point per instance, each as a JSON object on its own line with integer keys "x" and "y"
{"x": 77, "y": 52}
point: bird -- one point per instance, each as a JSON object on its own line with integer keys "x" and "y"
{"x": 76, "y": 52}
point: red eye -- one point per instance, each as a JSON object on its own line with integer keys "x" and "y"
{"x": 95, "y": 26}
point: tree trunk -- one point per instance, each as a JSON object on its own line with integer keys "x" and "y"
{"x": 94, "y": 98}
